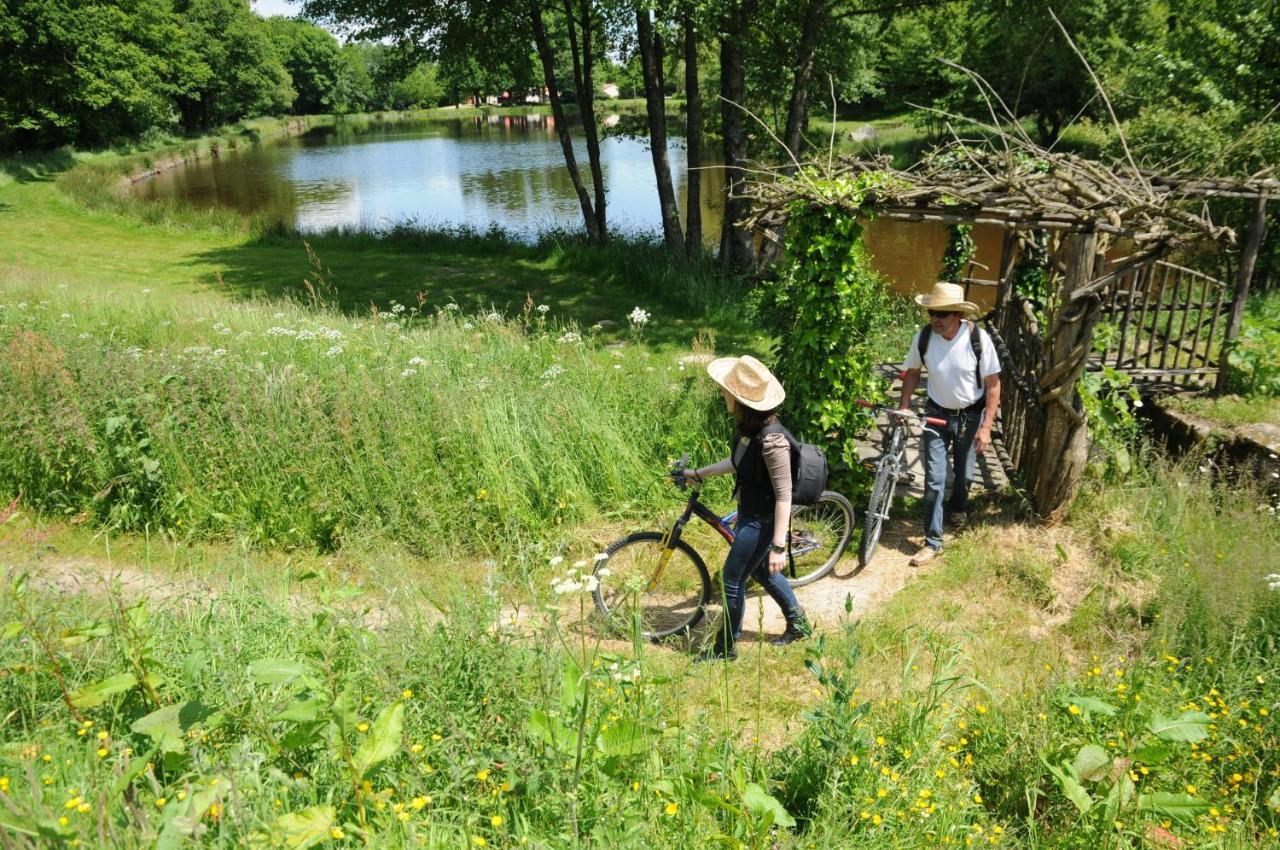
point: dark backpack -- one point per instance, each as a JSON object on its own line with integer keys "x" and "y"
{"x": 808, "y": 467}
{"x": 975, "y": 342}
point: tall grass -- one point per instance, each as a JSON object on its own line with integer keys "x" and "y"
{"x": 293, "y": 425}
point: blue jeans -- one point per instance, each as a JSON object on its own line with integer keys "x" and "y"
{"x": 957, "y": 439}
{"x": 748, "y": 558}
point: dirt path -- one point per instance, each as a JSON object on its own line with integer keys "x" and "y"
{"x": 824, "y": 601}
{"x": 865, "y": 591}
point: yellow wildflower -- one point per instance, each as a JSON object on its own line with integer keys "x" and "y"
{"x": 671, "y": 809}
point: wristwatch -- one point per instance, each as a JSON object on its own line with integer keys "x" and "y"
{"x": 776, "y": 549}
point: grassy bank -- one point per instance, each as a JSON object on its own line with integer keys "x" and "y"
{"x": 1133, "y": 706}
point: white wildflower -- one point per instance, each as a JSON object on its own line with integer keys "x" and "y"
{"x": 493, "y": 316}
{"x": 146, "y": 291}
{"x": 590, "y": 583}
{"x": 1273, "y": 581}
{"x": 218, "y": 352}
{"x": 397, "y": 307}
{"x": 554, "y": 371}
{"x": 601, "y": 556}
{"x": 449, "y": 308}
{"x": 544, "y": 309}
{"x": 579, "y": 564}
{"x": 276, "y": 330}
{"x": 22, "y": 305}
{"x": 617, "y": 365}
{"x": 638, "y": 317}
{"x": 306, "y": 335}
{"x": 603, "y": 572}
{"x": 417, "y": 361}
{"x": 570, "y": 337}
{"x": 277, "y": 315}
{"x": 66, "y": 315}
{"x": 333, "y": 351}
{"x": 556, "y": 561}
{"x": 466, "y": 326}
{"x": 566, "y": 586}
{"x": 86, "y": 335}
{"x": 196, "y": 349}
{"x": 408, "y": 373}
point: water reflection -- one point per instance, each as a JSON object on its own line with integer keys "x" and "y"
{"x": 505, "y": 170}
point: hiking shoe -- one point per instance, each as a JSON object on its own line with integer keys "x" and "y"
{"x": 924, "y": 556}
{"x": 958, "y": 519}
{"x": 798, "y": 630}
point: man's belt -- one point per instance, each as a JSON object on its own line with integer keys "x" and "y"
{"x": 977, "y": 405}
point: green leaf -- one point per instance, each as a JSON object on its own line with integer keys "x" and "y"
{"x": 302, "y": 711}
{"x": 1092, "y": 705}
{"x": 11, "y": 630}
{"x": 384, "y": 738}
{"x": 547, "y": 729}
{"x": 1181, "y": 806}
{"x": 277, "y": 671}
{"x": 622, "y": 738}
{"x": 1152, "y": 754}
{"x": 167, "y": 726}
{"x": 1073, "y": 790}
{"x": 306, "y": 828}
{"x": 96, "y": 694}
{"x": 760, "y": 802}
{"x": 1189, "y": 727}
{"x": 1092, "y": 763}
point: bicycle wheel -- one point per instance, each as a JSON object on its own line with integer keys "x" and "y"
{"x": 877, "y": 508}
{"x": 819, "y": 535}
{"x": 636, "y": 587}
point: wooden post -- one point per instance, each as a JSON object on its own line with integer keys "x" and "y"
{"x": 1063, "y": 443}
{"x": 1244, "y": 274}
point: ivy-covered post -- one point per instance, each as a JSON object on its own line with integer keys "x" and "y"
{"x": 822, "y": 309}
{"x": 1061, "y": 445}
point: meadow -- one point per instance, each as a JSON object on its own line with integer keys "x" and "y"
{"x": 324, "y": 490}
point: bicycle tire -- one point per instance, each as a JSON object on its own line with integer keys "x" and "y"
{"x": 819, "y": 535}
{"x": 877, "y": 508}
{"x": 626, "y": 593}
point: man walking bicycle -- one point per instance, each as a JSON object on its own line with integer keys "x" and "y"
{"x": 963, "y": 388}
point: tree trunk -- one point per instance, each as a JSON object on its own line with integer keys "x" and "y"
{"x": 693, "y": 139}
{"x": 1063, "y": 440}
{"x": 655, "y": 105}
{"x": 582, "y": 65}
{"x": 1244, "y": 276}
{"x": 562, "y": 125}
{"x": 797, "y": 110}
{"x": 738, "y": 252}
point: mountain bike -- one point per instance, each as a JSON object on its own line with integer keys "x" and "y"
{"x": 659, "y": 580}
{"x": 889, "y": 470}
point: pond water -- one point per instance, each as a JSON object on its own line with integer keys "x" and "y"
{"x": 503, "y": 170}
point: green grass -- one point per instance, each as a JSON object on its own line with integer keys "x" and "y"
{"x": 355, "y": 698}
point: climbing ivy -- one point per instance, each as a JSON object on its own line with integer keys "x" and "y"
{"x": 822, "y": 308}
{"x": 960, "y": 251}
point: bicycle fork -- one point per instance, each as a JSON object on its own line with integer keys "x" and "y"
{"x": 669, "y": 541}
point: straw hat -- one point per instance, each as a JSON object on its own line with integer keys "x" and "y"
{"x": 747, "y": 380}
{"x": 947, "y": 296}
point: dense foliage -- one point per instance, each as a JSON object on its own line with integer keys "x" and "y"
{"x": 99, "y": 72}
{"x": 1253, "y": 360}
{"x": 824, "y": 309}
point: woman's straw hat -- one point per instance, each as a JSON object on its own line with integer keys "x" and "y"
{"x": 747, "y": 380}
{"x": 947, "y": 296}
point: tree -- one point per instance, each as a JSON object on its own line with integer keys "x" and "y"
{"x": 649, "y": 39}
{"x": 311, "y": 56}
{"x": 417, "y": 89}
{"x": 238, "y": 73}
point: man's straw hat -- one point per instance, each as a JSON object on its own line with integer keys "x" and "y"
{"x": 947, "y": 296}
{"x": 747, "y": 380}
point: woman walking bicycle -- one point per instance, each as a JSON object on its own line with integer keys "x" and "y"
{"x": 760, "y": 459}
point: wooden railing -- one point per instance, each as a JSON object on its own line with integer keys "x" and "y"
{"x": 1164, "y": 324}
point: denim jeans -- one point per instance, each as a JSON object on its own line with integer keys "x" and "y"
{"x": 748, "y": 558}
{"x": 956, "y": 439}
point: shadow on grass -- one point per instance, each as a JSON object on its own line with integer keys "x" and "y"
{"x": 483, "y": 270}
{"x": 37, "y": 167}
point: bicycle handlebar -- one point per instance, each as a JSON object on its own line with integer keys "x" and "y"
{"x": 895, "y": 411}
{"x": 678, "y": 470}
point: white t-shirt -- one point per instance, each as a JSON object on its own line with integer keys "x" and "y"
{"x": 950, "y": 363}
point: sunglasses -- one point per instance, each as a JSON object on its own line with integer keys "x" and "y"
{"x": 942, "y": 314}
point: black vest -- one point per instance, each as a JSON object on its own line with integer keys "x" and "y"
{"x": 753, "y": 485}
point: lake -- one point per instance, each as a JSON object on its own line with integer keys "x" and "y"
{"x": 504, "y": 170}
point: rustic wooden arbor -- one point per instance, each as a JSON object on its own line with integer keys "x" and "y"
{"x": 1108, "y": 239}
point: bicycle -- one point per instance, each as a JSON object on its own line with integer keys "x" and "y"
{"x": 659, "y": 580}
{"x": 889, "y": 470}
